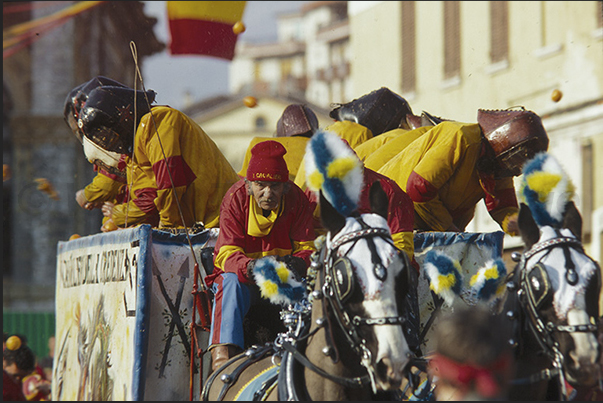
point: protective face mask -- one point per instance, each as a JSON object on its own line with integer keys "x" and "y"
{"x": 98, "y": 156}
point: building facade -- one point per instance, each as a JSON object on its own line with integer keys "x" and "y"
{"x": 39, "y": 144}
{"x": 451, "y": 58}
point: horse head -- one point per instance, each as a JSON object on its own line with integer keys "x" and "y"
{"x": 365, "y": 280}
{"x": 558, "y": 283}
{"x": 561, "y": 286}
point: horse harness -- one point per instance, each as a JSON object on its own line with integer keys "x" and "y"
{"x": 530, "y": 289}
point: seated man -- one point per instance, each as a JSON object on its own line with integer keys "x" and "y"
{"x": 177, "y": 173}
{"x": 263, "y": 214}
{"x": 293, "y": 130}
{"x": 451, "y": 167}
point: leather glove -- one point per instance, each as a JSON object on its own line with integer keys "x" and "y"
{"x": 250, "y": 266}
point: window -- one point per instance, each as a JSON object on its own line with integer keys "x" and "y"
{"x": 260, "y": 123}
{"x": 409, "y": 75}
{"x": 499, "y": 31}
{"x": 587, "y": 190}
{"x": 452, "y": 39}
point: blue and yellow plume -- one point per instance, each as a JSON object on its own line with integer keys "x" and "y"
{"x": 277, "y": 282}
{"x": 546, "y": 189}
{"x": 489, "y": 281}
{"x": 333, "y": 167}
{"x": 444, "y": 275}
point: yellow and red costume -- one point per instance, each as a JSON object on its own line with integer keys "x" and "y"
{"x": 438, "y": 171}
{"x": 171, "y": 147}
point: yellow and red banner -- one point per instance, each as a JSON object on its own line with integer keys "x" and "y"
{"x": 204, "y": 27}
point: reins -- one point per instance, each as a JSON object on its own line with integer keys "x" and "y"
{"x": 543, "y": 331}
{"x": 323, "y": 263}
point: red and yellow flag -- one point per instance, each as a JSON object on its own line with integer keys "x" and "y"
{"x": 204, "y": 27}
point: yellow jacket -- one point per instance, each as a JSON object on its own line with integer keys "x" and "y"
{"x": 200, "y": 173}
{"x": 438, "y": 172}
{"x": 393, "y": 146}
{"x": 368, "y": 147}
{"x": 354, "y": 133}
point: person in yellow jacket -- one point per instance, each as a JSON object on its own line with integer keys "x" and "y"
{"x": 363, "y": 119}
{"x": 109, "y": 185}
{"x": 294, "y": 128}
{"x": 454, "y": 165}
{"x": 176, "y": 172}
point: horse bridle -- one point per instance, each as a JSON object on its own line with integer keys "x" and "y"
{"x": 333, "y": 270}
{"x": 542, "y": 331}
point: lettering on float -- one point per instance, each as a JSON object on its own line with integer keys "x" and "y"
{"x": 108, "y": 266}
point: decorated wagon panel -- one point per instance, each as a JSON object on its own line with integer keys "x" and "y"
{"x": 123, "y": 313}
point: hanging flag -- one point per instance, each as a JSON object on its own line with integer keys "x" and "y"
{"x": 204, "y": 27}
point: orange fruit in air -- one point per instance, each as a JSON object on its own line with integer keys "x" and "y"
{"x": 74, "y": 236}
{"x": 13, "y": 343}
{"x": 556, "y": 95}
{"x": 250, "y": 101}
{"x": 5, "y": 172}
{"x": 238, "y": 27}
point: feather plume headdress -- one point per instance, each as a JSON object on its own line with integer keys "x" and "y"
{"x": 446, "y": 280}
{"x": 334, "y": 168}
{"x": 546, "y": 189}
{"x": 277, "y": 282}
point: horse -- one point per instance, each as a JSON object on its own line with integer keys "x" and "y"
{"x": 346, "y": 340}
{"x": 552, "y": 304}
{"x": 551, "y": 297}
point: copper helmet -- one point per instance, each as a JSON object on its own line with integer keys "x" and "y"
{"x": 515, "y": 136}
{"x": 297, "y": 120}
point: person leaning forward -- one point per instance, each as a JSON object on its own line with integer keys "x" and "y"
{"x": 263, "y": 214}
{"x": 178, "y": 175}
{"x": 451, "y": 167}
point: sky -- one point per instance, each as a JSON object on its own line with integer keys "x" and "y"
{"x": 172, "y": 77}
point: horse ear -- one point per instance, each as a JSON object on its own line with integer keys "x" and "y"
{"x": 530, "y": 233}
{"x": 378, "y": 199}
{"x": 329, "y": 216}
{"x": 573, "y": 220}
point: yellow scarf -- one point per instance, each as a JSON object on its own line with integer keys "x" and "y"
{"x": 257, "y": 224}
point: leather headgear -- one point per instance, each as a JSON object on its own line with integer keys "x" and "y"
{"x": 379, "y": 111}
{"x": 297, "y": 120}
{"x": 77, "y": 97}
{"x": 107, "y": 118}
{"x": 267, "y": 163}
{"x": 515, "y": 136}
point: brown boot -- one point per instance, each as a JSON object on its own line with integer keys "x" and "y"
{"x": 221, "y": 354}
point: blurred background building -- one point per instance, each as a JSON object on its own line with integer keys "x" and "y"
{"x": 56, "y": 46}
{"x": 449, "y": 58}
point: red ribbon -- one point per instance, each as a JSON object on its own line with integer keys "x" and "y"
{"x": 464, "y": 375}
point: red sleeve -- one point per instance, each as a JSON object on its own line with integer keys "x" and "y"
{"x": 419, "y": 189}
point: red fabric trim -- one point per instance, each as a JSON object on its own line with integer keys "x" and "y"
{"x": 419, "y": 189}
{"x": 145, "y": 200}
{"x": 464, "y": 375}
{"x": 217, "y": 311}
{"x": 114, "y": 177}
{"x": 202, "y": 37}
{"x": 182, "y": 174}
{"x": 506, "y": 198}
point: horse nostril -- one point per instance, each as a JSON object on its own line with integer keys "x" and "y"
{"x": 386, "y": 372}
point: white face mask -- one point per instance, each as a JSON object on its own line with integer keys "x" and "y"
{"x": 99, "y": 156}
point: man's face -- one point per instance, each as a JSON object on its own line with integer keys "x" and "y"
{"x": 267, "y": 194}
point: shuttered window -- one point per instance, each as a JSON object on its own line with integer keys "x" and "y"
{"x": 452, "y": 39}
{"x": 409, "y": 73}
{"x": 499, "y": 31}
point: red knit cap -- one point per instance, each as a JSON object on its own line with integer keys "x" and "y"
{"x": 267, "y": 162}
